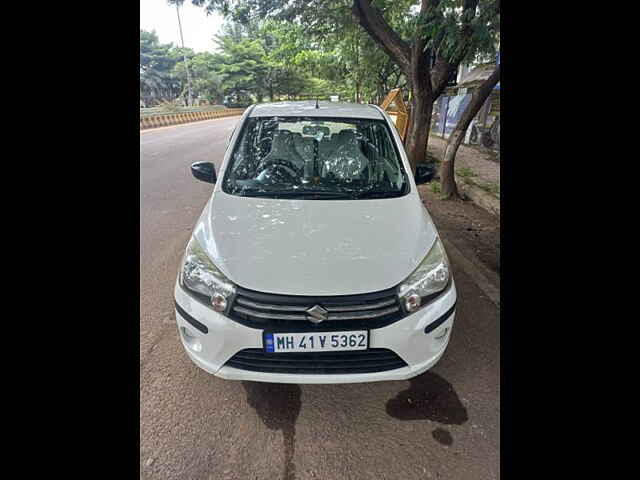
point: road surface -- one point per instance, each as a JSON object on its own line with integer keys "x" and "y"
{"x": 444, "y": 424}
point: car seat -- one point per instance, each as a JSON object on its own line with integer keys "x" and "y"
{"x": 283, "y": 148}
{"x": 327, "y": 146}
{"x": 346, "y": 162}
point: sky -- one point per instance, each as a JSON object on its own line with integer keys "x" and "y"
{"x": 198, "y": 28}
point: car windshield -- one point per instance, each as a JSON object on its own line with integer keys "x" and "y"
{"x": 315, "y": 158}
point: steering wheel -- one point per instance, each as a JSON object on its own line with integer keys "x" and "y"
{"x": 285, "y": 166}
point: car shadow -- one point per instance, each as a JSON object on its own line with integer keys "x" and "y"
{"x": 278, "y": 406}
{"x": 429, "y": 397}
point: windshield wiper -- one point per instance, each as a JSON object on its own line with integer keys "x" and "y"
{"x": 295, "y": 194}
{"x": 378, "y": 194}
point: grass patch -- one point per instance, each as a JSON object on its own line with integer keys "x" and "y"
{"x": 491, "y": 187}
{"x": 466, "y": 172}
{"x": 144, "y": 112}
{"x": 435, "y": 187}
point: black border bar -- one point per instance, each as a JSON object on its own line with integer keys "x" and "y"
{"x": 433, "y": 325}
{"x": 200, "y": 326}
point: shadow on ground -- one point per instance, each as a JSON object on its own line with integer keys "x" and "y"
{"x": 278, "y": 406}
{"x": 429, "y": 397}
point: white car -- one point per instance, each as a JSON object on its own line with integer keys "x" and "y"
{"x": 314, "y": 260}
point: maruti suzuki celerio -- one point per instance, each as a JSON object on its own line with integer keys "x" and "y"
{"x": 314, "y": 260}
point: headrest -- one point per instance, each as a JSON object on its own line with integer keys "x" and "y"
{"x": 282, "y": 142}
{"x": 347, "y": 137}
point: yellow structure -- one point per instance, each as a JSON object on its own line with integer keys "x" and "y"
{"x": 394, "y": 105}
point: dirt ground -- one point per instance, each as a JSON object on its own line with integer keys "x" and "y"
{"x": 478, "y": 229}
{"x": 483, "y": 164}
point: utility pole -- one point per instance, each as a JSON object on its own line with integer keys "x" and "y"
{"x": 184, "y": 55}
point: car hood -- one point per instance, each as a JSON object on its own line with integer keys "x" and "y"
{"x": 315, "y": 247}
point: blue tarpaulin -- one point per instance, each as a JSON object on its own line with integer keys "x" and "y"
{"x": 452, "y": 106}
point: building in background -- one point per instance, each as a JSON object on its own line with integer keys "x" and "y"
{"x": 485, "y": 128}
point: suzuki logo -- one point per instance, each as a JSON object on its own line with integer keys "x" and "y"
{"x": 317, "y": 314}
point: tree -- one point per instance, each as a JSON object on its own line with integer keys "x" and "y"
{"x": 479, "y": 96}
{"x": 241, "y": 65}
{"x": 284, "y": 60}
{"x": 156, "y": 65}
{"x": 179, "y": 72}
{"x": 207, "y": 82}
{"x": 426, "y": 39}
{"x": 445, "y": 34}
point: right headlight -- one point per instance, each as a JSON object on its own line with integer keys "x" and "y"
{"x": 431, "y": 276}
{"x": 204, "y": 280}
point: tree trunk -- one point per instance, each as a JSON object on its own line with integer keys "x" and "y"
{"x": 448, "y": 185}
{"x": 418, "y": 130}
{"x": 427, "y": 78}
{"x": 421, "y": 109}
{"x": 447, "y": 170}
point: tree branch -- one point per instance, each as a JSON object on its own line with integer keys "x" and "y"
{"x": 420, "y": 40}
{"x": 440, "y": 73}
{"x": 370, "y": 18}
{"x": 443, "y": 67}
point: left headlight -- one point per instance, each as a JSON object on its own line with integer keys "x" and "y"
{"x": 431, "y": 276}
{"x": 201, "y": 277}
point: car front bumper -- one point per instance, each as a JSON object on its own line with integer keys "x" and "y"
{"x": 225, "y": 337}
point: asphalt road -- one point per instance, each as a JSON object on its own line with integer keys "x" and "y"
{"x": 444, "y": 424}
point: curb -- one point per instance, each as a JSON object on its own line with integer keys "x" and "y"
{"x": 487, "y": 280}
{"x": 479, "y": 196}
{"x": 154, "y": 121}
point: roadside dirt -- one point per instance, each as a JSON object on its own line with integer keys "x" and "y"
{"x": 469, "y": 224}
{"x": 482, "y": 163}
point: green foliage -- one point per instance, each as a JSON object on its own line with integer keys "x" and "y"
{"x": 156, "y": 64}
{"x": 272, "y": 49}
{"x": 163, "y": 76}
{"x": 320, "y": 39}
{"x": 491, "y": 187}
{"x": 240, "y": 65}
{"x": 274, "y": 59}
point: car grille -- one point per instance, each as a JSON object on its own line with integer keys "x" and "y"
{"x": 266, "y": 311}
{"x": 357, "y": 361}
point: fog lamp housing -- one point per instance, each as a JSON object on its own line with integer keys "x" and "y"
{"x": 191, "y": 339}
{"x": 412, "y": 302}
{"x": 219, "y": 302}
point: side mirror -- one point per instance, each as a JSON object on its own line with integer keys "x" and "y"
{"x": 204, "y": 171}
{"x": 424, "y": 173}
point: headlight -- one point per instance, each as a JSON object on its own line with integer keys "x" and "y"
{"x": 431, "y": 276}
{"x": 200, "y": 276}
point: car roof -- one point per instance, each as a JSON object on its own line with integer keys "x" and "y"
{"x": 308, "y": 109}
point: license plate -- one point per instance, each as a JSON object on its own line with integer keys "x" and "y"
{"x": 316, "y": 341}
